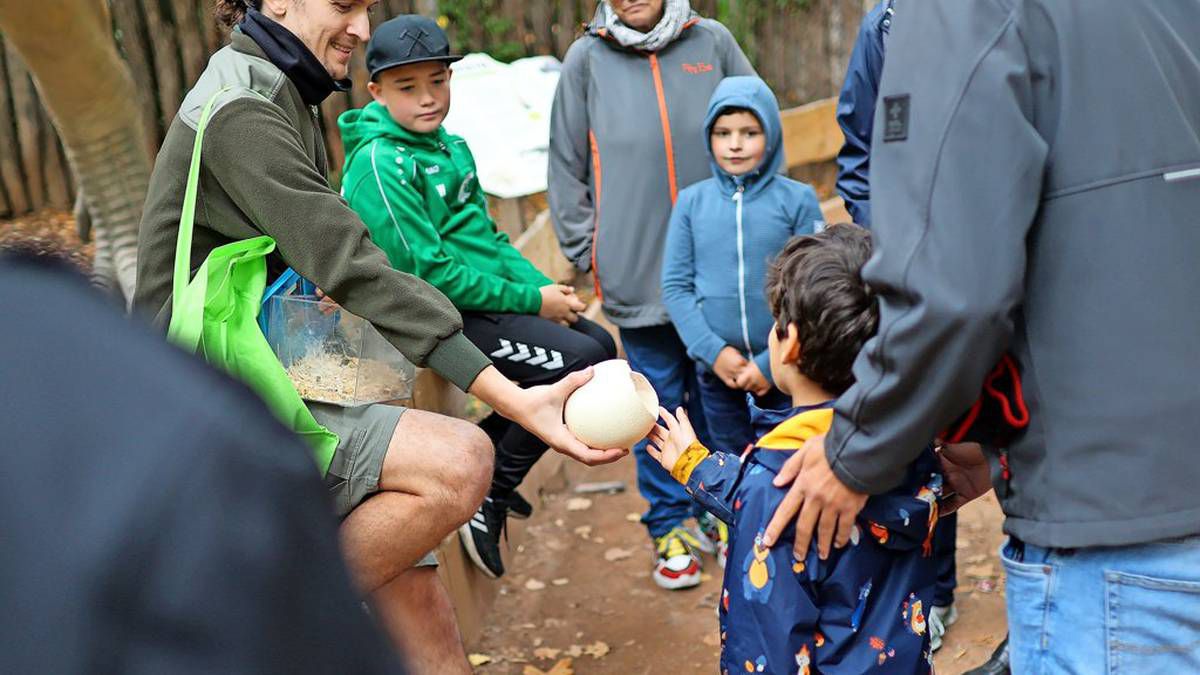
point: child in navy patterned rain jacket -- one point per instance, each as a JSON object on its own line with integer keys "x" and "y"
{"x": 863, "y": 608}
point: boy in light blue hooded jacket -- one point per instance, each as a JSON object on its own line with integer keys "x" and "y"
{"x": 724, "y": 232}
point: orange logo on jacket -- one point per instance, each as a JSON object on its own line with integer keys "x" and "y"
{"x": 697, "y": 68}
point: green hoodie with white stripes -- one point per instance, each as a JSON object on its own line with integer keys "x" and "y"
{"x": 421, "y": 200}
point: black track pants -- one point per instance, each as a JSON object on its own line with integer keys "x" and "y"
{"x": 532, "y": 351}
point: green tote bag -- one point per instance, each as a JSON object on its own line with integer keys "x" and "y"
{"x": 215, "y": 314}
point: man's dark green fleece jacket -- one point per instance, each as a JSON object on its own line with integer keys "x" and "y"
{"x": 264, "y": 171}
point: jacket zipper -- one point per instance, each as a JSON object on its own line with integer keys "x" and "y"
{"x": 598, "y": 179}
{"x": 664, "y": 114}
{"x": 738, "y": 197}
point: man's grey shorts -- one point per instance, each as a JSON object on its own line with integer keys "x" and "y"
{"x": 364, "y": 433}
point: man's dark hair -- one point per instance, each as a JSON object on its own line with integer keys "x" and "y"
{"x": 230, "y": 13}
{"x": 816, "y": 283}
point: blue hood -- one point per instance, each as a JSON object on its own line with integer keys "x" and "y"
{"x": 754, "y": 94}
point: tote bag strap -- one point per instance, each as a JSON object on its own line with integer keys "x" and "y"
{"x": 187, "y": 309}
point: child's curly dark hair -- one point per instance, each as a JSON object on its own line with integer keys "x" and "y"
{"x": 816, "y": 283}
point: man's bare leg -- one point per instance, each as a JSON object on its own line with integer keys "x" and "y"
{"x": 415, "y": 610}
{"x": 435, "y": 476}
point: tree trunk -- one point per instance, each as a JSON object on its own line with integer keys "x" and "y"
{"x": 10, "y": 166}
{"x": 25, "y": 109}
{"x": 97, "y": 116}
{"x": 165, "y": 61}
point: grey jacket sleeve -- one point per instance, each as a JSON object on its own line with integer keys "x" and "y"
{"x": 958, "y": 168}
{"x": 572, "y": 203}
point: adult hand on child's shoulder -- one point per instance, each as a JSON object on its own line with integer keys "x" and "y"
{"x": 751, "y": 379}
{"x": 728, "y": 365}
{"x": 667, "y": 444}
{"x": 559, "y": 303}
{"x": 826, "y": 506}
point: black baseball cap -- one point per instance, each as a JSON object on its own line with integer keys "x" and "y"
{"x": 408, "y": 38}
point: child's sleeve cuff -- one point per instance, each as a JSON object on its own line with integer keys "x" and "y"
{"x": 687, "y": 462}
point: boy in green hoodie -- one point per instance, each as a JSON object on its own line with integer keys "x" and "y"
{"x": 415, "y": 186}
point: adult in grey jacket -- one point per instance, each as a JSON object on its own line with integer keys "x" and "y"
{"x": 1037, "y": 185}
{"x": 626, "y": 135}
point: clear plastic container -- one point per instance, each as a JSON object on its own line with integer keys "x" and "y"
{"x": 332, "y": 355}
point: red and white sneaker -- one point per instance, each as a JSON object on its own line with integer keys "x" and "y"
{"x": 677, "y": 564}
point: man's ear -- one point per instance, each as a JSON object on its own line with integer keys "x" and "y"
{"x": 376, "y": 91}
{"x": 789, "y": 346}
{"x": 275, "y": 9}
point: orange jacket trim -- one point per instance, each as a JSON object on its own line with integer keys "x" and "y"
{"x": 668, "y": 142}
{"x": 598, "y": 174}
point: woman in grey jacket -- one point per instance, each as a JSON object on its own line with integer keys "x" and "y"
{"x": 626, "y": 135}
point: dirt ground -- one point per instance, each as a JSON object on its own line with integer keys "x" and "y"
{"x": 578, "y": 593}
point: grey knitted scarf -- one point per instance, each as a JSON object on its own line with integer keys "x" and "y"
{"x": 676, "y": 13}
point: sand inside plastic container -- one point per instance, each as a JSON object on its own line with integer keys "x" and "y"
{"x": 335, "y": 378}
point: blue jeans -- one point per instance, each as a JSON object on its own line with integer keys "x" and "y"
{"x": 727, "y": 412}
{"x": 659, "y": 354}
{"x": 1129, "y": 609}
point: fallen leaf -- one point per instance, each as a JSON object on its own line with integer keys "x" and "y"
{"x": 579, "y": 504}
{"x": 534, "y": 585}
{"x": 705, "y": 576}
{"x": 597, "y": 650}
{"x": 563, "y": 667}
{"x": 712, "y": 640}
{"x": 574, "y": 651}
{"x": 477, "y": 660}
{"x": 561, "y": 582}
{"x": 558, "y": 522}
{"x": 537, "y": 642}
{"x": 614, "y": 554}
{"x": 976, "y": 559}
{"x": 554, "y": 623}
{"x": 633, "y": 517}
{"x": 961, "y": 653}
{"x": 584, "y": 531}
{"x": 630, "y": 642}
{"x": 546, "y": 653}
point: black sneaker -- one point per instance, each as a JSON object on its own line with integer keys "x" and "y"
{"x": 518, "y": 507}
{"x": 481, "y": 537}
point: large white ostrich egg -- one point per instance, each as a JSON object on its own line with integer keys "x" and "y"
{"x": 615, "y": 409}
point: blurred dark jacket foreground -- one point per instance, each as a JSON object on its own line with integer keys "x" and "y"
{"x": 156, "y": 518}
